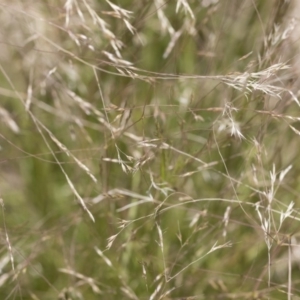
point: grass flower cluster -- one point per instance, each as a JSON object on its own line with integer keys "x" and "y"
{"x": 149, "y": 149}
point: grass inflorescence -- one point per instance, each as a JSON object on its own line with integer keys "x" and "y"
{"x": 149, "y": 149}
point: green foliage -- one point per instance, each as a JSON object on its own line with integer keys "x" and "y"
{"x": 149, "y": 150}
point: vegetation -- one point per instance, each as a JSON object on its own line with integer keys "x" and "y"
{"x": 149, "y": 149}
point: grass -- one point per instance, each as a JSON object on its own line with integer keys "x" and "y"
{"x": 149, "y": 150}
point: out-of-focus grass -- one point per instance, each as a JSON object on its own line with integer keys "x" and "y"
{"x": 182, "y": 145}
